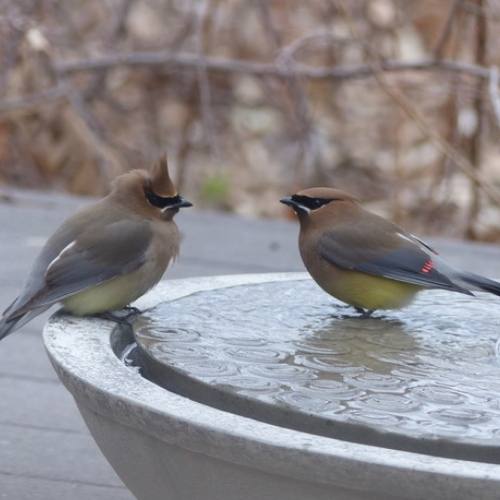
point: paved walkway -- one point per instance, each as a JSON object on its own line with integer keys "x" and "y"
{"x": 46, "y": 451}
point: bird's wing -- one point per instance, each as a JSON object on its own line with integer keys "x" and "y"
{"x": 89, "y": 260}
{"x": 417, "y": 240}
{"x": 382, "y": 249}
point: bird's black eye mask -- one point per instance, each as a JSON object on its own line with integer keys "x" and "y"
{"x": 162, "y": 201}
{"x": 311, "y": 203}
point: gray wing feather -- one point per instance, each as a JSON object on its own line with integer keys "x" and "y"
{"x": 405, "y": 262}
{"x": 65, "y": 234}
{"x": 119, "y": 248}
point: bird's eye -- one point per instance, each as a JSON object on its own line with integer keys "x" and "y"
{"x": 311, "y": 203}
{"x": 160, "y": 201}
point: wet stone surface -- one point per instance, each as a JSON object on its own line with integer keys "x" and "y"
{"x": 426, "y": 378}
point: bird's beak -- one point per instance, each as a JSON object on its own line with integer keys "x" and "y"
{"x": 180, "y": 203}
{"x": 288, "y": 200}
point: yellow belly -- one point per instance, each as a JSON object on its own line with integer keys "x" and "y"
{"x": 109, "y": 296}
{"x": 369, "y": 292}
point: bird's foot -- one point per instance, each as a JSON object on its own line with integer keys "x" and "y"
{"x": 132, "y": 310}
{"x": 122, "y": 316}
{"x": 116, "y": 318}
{"x": 364, "y": 313}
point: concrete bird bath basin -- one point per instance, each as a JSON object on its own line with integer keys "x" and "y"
{"x": 263, "y": 387}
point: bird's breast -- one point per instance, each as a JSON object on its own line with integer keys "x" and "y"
{"x": 369, "y": 292}
{"x": 120, "y": 291}
{"x": 356, "y": 288}
{"x": 111, "y": 295}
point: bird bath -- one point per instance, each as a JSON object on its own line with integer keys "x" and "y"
{"x": 264, "y": 387}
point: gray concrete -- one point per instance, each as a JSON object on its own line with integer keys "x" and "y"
{"x": 46, "y": 450}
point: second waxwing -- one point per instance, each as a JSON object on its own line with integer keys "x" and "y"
{"x": 366, "y": 261}
{"x": 108, "y": 254}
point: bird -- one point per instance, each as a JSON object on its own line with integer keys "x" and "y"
{"x": 108, "y": 254}
{"x": 367, "y": 261}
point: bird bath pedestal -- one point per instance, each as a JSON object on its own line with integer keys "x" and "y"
{"x": 263, "y": 387}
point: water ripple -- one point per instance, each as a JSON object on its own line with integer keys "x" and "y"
{"x": 431, "y": 370}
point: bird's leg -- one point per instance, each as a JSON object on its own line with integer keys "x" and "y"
{"x": 337, "y": 313}
{"x": 132, "y": 310}
{"x": 112, "y": 316}
{"x": 122, "y": 316}
{"x": 365, "y": 313}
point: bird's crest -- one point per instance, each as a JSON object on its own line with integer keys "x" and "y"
{"x": 161, "y": 183}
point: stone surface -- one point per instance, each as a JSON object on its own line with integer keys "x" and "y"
{"x": 213, "y": 244}
{"x": 167, "y": 447}
{"x": 23, "y": 487}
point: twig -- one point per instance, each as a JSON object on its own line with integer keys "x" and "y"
{"x": 10, "y": 50}
{"x": 480, "y": 10}
{"x": 476, "y": 139}
{"x": 93, "y": 133}
{"x": 441, "y": 180}
{"x": 303, "y": 116}
{"x": 493, "y": 92}
{"x": 268, "y": 24}
{"x": 33, "y": 101}
{"x": 16, "y": 18}
{"x": 203, "y": 80}
{"x": 116, "y": 29}
{"x": 446, "y": 31}
{"x": 298, "y": 44}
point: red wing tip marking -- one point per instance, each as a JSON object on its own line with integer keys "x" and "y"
{"x": 427, "y": 266}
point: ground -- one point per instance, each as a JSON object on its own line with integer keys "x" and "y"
{"x": 47, "y": 451}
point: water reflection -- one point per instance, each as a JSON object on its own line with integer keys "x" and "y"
{"x": 373, "y": 344}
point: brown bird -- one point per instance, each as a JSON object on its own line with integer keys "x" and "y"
{"x": 366, "y": 261}
{"x": 106, "y": 255}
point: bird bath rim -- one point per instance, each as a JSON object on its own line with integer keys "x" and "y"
{"x": 82, "y": 353}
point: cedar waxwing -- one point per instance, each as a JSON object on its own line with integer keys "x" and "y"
{"x": 367, "y": 261}
{"x": 106, "y": 255}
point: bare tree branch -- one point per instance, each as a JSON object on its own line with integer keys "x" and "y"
{"x": 33, "y": 101}
{"x": 193, "y": 61}
{"x": 185, "y": 60}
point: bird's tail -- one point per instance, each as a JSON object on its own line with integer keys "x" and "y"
{"x": 477, "y": 282}
{"x": 9, "y": 324}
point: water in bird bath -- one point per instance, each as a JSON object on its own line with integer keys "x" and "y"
{"x": 424, "y": 379}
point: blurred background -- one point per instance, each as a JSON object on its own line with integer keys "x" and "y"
{"x": 394, "y": 100}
